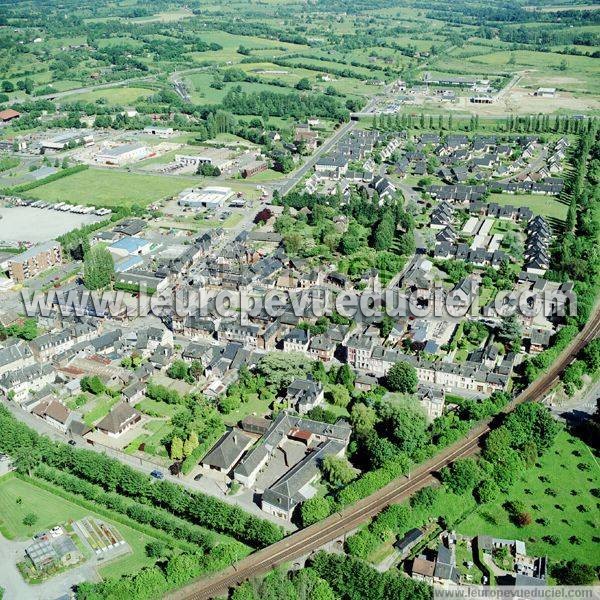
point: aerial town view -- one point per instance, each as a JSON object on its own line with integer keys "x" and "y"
{"x": 299, "y": 300}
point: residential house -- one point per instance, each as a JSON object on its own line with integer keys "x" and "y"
{"x": 14, "y": 356}
{"x": 256, "y": 425}
{"x": 322, "y": 347}
{"x": 366, "y": 383}
{"x": 409, "y": 541}
{"x": 384, "y": 187}
{"x": 161, "y": 357}
{"x": 297, "y": 340}
{"x": 332, "y": 166}
{"x": 46, "y": 346}
{"x": 285, "y": 425}
{"x": 34, "y": 260}
{"x": 303, "y": 395}
{"x": 445, "y": 567}
{"x": 432, "y": 400}
{"x": 53, "y": 412}
{"x": 539, "y": 340}
{"x": 226, "y": 453}
{"x": 120, "y": 419}
{"x": 202, "y": 352}
{"x": 282, "y": 497}
{"x": 32, "y": 378}
{"x": 250, "y": 336}
{"x": 134, "y": 392}
{"x": 197, "y": 328}
{"x": 423, "y": 569}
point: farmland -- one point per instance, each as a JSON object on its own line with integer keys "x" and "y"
{"x": 120, "y": 96}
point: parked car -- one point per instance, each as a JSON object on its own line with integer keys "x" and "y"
{"x": 157, "y": 474}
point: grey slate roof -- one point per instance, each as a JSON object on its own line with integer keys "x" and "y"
{"x": 226, "y": 451}
{"x": 115, "y": 419}
{"x": 30, "y": 373}
{"x": 14, "y": 352}
{"x": 286, "y": 493}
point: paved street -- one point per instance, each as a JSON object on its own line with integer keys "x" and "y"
{"x": 294, "y": 178}
{"x": 409, "y": 193}
{"x": 579, "y": 408}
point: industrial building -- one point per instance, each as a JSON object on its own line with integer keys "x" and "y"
{"x": 120, "y": 155}
{"x": 130, "y": 246}
{"x": 209, "y": 197}
{"x": 546, "y": 92}
{"x": 67, "y": 140}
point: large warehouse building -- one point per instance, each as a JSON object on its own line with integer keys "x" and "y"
{"x": 209, "y": 197}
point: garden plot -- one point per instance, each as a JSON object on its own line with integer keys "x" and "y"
{"x": 103, "y": 538}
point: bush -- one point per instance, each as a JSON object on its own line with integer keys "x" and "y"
{"x": 313, "y": 510}
{"x": 424, "y": 498}
{"x": 574, "y": 572}
{"x": 361, "y": 544}
{"x": 30, "y": 519}
{"x": 402, "y": 377}
{"x": 461, "y": 476}
{"x": 487, "y": 491}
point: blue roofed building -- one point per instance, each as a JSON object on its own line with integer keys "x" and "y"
{"x": 129, "y": 246}
{"x": 128, "y": 263}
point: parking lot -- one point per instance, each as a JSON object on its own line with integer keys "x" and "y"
{"x": 36, "y": 225}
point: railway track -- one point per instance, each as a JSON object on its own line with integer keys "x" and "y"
{"x": 311, "y": 538}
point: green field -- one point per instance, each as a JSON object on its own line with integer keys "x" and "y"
{"x": 111, "y": 188}
{"x": 268, "y": 175}
{"x": 99, "y": 408}
{"x": 578, "y": 74}
{"x": 116, "y": 95}
{"x": 231, "y": 43}
{"x": 546, "y": 206}
{"x": 52, "y": 510}
{"x": 202, "y": 92}
{"x": 254, "y": 406}
{"x": 572, "y": 486}
{"x": 154, "y": 408}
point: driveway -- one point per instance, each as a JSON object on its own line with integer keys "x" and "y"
{"x": 15, "y": 587}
